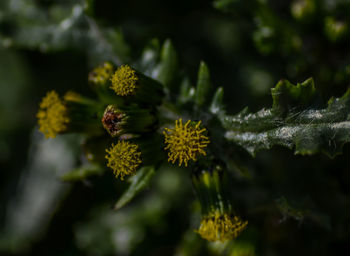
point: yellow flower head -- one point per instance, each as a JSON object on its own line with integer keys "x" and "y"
{"x": 124, "y": 158}
{"x": 124, "y": 81}
{"x": 101, "y": 74}
{"x": 185, "y": 142}
{"x": 52, "y": 115}
{"x": 221, "y": 227}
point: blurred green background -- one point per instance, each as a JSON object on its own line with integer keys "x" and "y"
{"x": 295, "y": 205}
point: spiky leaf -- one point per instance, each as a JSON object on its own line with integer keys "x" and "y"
{"x": 293, "y": 122}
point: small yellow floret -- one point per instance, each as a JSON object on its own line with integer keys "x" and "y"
{"x": 221, "y": 227}
{"x": 52, "y": 115}
{"x": 124, "y": 81}
{"x": 101, "y": 74}
{"x": 72, "y": 96}
{"x": 124, "y": 158}
{"x": 185, "y": 142}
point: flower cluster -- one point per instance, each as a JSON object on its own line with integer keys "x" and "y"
{"x": 124, "y": 158}
{"x": 124, "y": 120}
{"x": 52, "y": 115}
{"x": 101, "y": 74}
{"x": 72, "y": 96}
{"x": 124, "y": 81}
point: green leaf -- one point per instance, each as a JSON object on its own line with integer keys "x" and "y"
{"x": 168, "y": 64}
{"x": 203, "y": 84}
{"x": 56, "y": 29}
{"x": 150, "y": 57}
{"x": 116, "y": 43}
{"x": 301, "y": 213}
{"x": 138, "y": 183}
{"x": 235, "y": 6}
{"x": 217, "y": 105}
{"x": 187, "y": 91}
{"x": 288, "y": 211}
{"x": 89, "y": 7}
{"x": 82, "y": 173}
{"x": 293, "y": 122}
{"x": 286, "y": 96}
{"x": 62, "y": 26}
{"x": 226, "y": 5}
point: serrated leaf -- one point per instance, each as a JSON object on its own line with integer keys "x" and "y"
{"x": 82, "y": 173}
{"x": 168, "y": 64}
{"x": 138, "y": 182}
{"x": 286, "y": 96}
{"x": 293, "y": 122}
{"x": 203, "y": 84}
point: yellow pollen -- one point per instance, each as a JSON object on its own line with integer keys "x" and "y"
{"x": 185, "y": 142}
{"x": 52, "y": 115}
{"x": 221, "y": 227}
{"x": 101, "y": 74}
{"x": 123, "y": 158}
{"x": 124, "y": 81}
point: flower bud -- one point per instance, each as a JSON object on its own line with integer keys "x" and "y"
{"x": 132, "y": 120}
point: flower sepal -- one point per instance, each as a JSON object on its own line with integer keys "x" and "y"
{"x": 134, "y": 86}
{"x": 68, "y": 115}
{"x": 219, "y": 221}
{"x": 118, "y": 121}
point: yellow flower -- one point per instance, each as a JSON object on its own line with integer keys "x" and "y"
{"x": 124, "y": 81}
{"x": 52, "y": 115}
{"x": 123, "y": 158}
{"x": 221, "y": 227}
{"x": 185, "y": 142}
{"x": 72, "y": 96}
{"x": 101, "y": 74}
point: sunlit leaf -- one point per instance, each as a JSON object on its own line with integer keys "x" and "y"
{"x": 293, "y": 122}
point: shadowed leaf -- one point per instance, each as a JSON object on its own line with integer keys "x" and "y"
{"x": 137, "y": 184}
